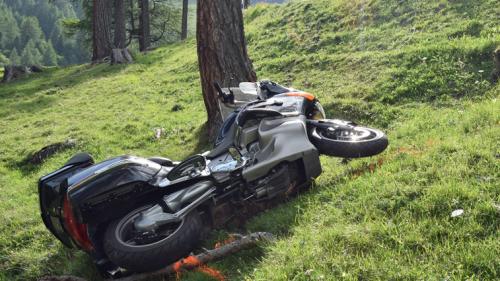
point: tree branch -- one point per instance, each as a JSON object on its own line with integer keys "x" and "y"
{"x": 191, "y": 262}
{"x": 163, "y": 29}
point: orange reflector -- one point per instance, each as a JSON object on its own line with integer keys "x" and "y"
{"x": 194, "y": 262}
{"x": 307, "y": 96}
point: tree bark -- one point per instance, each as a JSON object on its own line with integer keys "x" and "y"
{"x": 495, "y": 74}
{"x": 185, "y": 14}
{"x": 120, "y": 28}
{"x": 101, "y": 29}
{"x": 222, "y": 53}
{"x": 126, "y": 54}
{"x": 144, "y": 28}
{"x": 119, "y": 56}
{"x": 246, "y": 4}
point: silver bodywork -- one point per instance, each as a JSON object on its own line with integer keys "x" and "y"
{"x": 282, "y": 140}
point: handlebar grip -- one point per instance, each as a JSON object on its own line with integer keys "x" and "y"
{"x": 218, "y": 88}
{"x": 225, "y": 97}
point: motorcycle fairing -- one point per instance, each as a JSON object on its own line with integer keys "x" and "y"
{"x": 108, "y": 189}
{"x": 283, "y": 140}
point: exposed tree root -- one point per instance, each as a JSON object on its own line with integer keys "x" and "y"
{"x": 46, "y": 152}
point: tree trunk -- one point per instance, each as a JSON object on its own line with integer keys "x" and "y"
{"x": 121, "y": 56}
{"x": 12, "y": 72}
{"x": 495, "y": 75}
{"x": 144, "y": 29}
{"x": 222, "y": 52}
{"x": 120, "y": 29}
{"x": 246, "y": 4}
{"x": 185, "y": 14}
{"x": 101, "y": 29}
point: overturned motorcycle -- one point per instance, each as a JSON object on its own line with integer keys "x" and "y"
{"x": 134, "y": 214}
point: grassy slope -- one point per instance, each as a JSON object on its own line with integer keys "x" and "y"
{"x": 419, "y": 70}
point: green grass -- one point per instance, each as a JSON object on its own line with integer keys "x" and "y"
{"x": 417, "y": 69}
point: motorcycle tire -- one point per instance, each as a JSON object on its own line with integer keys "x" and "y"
{"x": 157, "y": 254}
{"x": 354, "y": 142}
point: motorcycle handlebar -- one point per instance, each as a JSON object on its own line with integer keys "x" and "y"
{"x": 226, "y": 98}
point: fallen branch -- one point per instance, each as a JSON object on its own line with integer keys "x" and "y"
{"x": 46, "y": 152}
{"x": 61, "y": 278}
{"x": 193, "y": 262}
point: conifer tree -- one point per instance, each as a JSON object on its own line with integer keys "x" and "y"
{"x": 3, "y": 60}
{"x": 31, "y": 55}
{"x": 49, "y": 55}
{"x": 30, "y": 30}
{"x": 14, "y": 57}
{"x": 101, "y": 29}
{"x": 9, "y": 29}
{"x": 222, "y": 53}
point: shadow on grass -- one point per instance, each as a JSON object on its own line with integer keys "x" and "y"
{"x": 202, "y": 143}
{"x": 363, "y": 113}
{"x": 71, "y": 261}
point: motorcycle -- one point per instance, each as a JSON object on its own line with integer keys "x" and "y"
{"x": 133, "y": 214}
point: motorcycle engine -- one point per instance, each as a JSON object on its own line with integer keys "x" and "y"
{"x": 278, "y": 182}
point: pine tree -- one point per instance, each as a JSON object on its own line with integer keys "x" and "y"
{"x": 30, "y": 30}
{"x": 3, "y": 60}
{"x": 101, "y": 29}
{"x": 222, "y": 53}
{"x": 49, "y": 55}
{"x": 144, "y": 25}
{"x": 41, "y": 21}
{"x": 9, "y": 29}
{"x": 14, "y": 57}
{"x": 120, "y": 24}
{"x": 31, "y": 55}
{"x": 185, "y": 14}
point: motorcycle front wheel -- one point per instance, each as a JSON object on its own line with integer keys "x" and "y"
{"x": 143, "y": 252}
{"x": 345, "y": 139}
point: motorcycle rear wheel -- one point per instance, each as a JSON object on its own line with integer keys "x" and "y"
{"x": 126, "y": 250}
{"x": 348, "y": 140}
